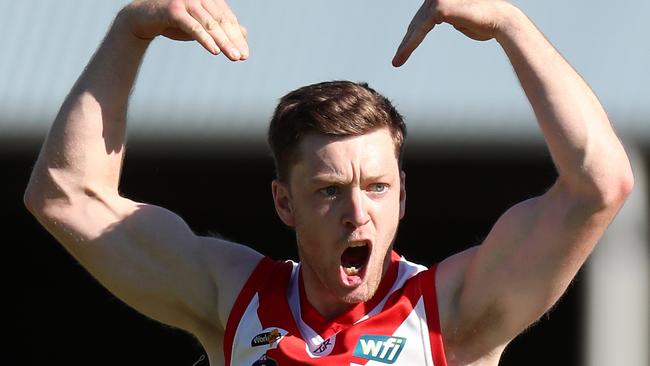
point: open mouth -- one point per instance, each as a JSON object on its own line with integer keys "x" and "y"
{"x": 355, "y": 257}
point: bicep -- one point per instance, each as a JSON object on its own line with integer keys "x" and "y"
{"x": 149, "y": 258}
{"x": 523, "y": 266}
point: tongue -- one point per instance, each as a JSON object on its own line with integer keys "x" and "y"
{"x": 354, "y": 256}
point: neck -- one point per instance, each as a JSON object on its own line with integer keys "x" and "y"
{"x": 328, "y": 305}
{"x": 330, "y": 310}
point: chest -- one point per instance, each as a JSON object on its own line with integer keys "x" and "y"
{"x": 400, "y": 329}
{"x": 397, "y": 336}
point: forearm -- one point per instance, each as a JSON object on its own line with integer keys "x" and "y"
{"x": 84, "y": 148}
{"x": 589, "y": 157}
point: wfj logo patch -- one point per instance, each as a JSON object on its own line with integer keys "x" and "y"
{"x": 379, "y": 348}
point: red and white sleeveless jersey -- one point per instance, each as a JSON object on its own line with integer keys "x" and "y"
{"x": 272, "y": 323}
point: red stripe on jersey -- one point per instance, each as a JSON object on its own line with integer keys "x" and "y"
{"x": 428, "y": 289}
{"x": 260, "y": 273}
{"x": 274, "y": 306}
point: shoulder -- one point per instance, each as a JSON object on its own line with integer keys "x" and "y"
{"x": 450, "y": 274}
{"x": 462, "y": 338}
{"x": 240, "y": 272}
{"x": 229, "y": 266}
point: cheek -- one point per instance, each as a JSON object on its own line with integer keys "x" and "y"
{"x": 316, "y": 211}
{"x": 387, "y": 208}
{"x": 313, "y": 222}
{"x": 386, "y": 217}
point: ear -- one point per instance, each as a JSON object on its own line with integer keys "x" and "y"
{"x": 402, "y": 194}
{"x": 282, "y": 201}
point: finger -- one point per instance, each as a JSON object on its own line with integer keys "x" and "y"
{"x": 421, "y": 24}
{"x": 228, "y": 22}
{"x": 214, "y": 29}
{"x": 224, "y": 42}
{"x": 244, "y": 33}
{"x": 410, "y": 42}
{"x": 236, "y": 37}
{"x": 194, "y": 29}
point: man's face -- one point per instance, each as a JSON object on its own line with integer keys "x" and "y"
{"x": 345, "y": 199}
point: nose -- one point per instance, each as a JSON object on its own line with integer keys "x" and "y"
{"x": 355, "y": 213}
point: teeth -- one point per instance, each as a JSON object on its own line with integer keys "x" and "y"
{"x": 356, "y": 244}
{"x": 351, "y": 271}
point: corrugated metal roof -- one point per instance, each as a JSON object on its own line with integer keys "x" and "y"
{"x": 451, "y": 88}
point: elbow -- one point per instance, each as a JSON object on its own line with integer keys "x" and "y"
{"x": 35, "y": 192}
{"x": 50, "y": 189}
{"x": 42, "y": 199}
{"x": 614, "y": 189}
{"x": 31, "y": 199}
{"x": 621, "y": 185}
{"x": 35, "y": 202}
{"x": 624, "y": 186}
{"x": 28, "y": 201}
{"x": 602, "y": 192}
{"x": 38, "y": 193}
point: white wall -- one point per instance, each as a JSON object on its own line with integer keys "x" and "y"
{"x": 452, "y": 87}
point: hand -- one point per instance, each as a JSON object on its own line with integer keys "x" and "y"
{"x": 209, "y": 22}
{"x": 477, "y": 19}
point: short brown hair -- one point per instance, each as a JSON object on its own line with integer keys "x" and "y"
{"x": 333, "y": 108}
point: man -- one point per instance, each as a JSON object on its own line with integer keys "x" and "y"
{"x": 337, "y": 148}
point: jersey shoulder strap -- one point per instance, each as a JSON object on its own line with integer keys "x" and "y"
{"x": 427, "y": 282}
{"x": 268, "y": 273}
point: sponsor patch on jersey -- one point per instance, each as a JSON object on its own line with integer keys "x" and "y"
{"x": 380, "y": 348}
{"x": 322, "y": 349}
{"x": 265, "y": 361}
{"x": 270, "y": 336}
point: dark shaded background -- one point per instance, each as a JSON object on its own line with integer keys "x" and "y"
{"x": 58, "y": 314}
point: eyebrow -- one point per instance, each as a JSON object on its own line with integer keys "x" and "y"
{"x": 328, "y": 178}
{"x": 339, "y": 180}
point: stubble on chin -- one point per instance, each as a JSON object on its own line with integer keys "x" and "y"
{"x": 362, "y": 293}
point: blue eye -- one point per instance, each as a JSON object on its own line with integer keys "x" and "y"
{"x": 330, "y": 191}
{"x": 379, "y": 187}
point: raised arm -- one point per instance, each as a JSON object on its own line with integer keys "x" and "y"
{"x": 492, "y": 292}
{"x": 145, "y": 255}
